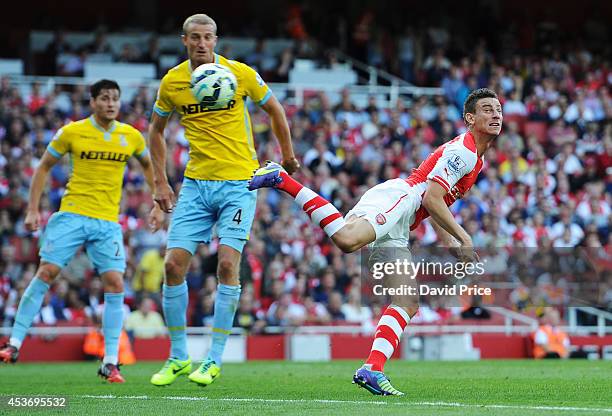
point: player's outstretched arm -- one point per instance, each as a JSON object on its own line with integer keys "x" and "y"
{"x": 32, "y": 220}
{"x": 433, "y": 201}
{"x": 163, "y": 193}
{"x": 445, "y": 239}
{"x": 280, "y": 128}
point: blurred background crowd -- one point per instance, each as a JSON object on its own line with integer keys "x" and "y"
{"x": 545, "y": 185}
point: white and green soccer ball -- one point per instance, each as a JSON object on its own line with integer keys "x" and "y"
{"x": 213, "y": 85}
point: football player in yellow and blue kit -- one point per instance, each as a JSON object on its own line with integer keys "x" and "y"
{"x": 214, "y": 192}
{"x": 99, "y": 147}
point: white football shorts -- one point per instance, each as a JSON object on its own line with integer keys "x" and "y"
{"x": 390, "y": 207}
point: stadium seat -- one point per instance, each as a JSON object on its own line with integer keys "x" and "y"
{"x": 536, "y": 128}
{"x": 332, "y": 77}
{"x": 519, "y": 119}
{"x": 39, "y": 39}
{"x": 99, "y": 58}
{"x": 117, "y": 40}
{"x": 120, "y": 71}
{"x": 11, "y": 66}
{"x": 167, "y": 61}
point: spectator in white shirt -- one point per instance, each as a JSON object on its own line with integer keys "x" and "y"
{"x": 565, "y": 224}
{"x": 514, "y": 105}
{"x": 353, "y": 310}
{"x": 568, "y": 162}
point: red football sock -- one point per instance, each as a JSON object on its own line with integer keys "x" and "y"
{"x": 387, "y": 336}
{"x": 290, "y": 185}
{"x": 320, "y": 210}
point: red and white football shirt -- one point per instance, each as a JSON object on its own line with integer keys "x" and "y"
{"x": 454, "y": 165}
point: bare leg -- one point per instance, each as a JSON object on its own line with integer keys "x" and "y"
{"x": 176, "y": 264}
{"x": 356, "y": 233}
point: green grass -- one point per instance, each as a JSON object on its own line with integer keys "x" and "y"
{"x": 266, "y": 388}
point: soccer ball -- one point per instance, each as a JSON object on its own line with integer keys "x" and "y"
{"x": 213, "y": 85}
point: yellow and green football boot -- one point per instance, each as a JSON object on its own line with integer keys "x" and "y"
{"x": 170, "y": 371}
{"x": 206, "y": 373}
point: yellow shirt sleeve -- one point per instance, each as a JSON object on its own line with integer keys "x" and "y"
{"x": 254, "y": 86}
{"x": 141, "y": 145}
{"x": 163, "y": 104}
{"x": 60, "y": 144}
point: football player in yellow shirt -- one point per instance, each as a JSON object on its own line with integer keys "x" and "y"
{"x": 99, "y": 147}
{"x": 222, "y": 158}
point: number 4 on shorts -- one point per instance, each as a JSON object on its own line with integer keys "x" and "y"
{"x": 238, "y": 216}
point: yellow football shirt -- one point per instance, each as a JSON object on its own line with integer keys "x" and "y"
{"x": 97, "y": 159}
{"x": 220, "y": 141}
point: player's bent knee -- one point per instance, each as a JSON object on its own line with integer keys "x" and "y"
{"x": 345, "y": 242}
{"x": 113, "y": 283}
{"x": 47, "y": 272}
{"x": 226, "y": 268}
{"x": 350, "y": 247}
{"x": 354, "y": 235}
{"x": 175, "y": 271}
{"x": 341, "y": 241}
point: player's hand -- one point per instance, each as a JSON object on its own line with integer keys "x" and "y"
{"x": 291, "y": 165}
{"x": 164, "y": 196}
{"x": 465, "y": 254}
{"x": 32, "y": 221}
{"x": 156, "y": 218}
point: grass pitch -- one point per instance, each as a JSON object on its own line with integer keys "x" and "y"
{"x": 284, "y": 388}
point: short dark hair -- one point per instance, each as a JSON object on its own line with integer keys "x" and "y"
{"x": 103, "y": 84}
{"x": 469, "y": 106}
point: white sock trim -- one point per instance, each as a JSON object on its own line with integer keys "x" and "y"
{"x": 392, "y": 323}
{"x": 15, "y": 342}
{"x": 321, "y": 213}
{"x": 305, "y": 195}
{"x": 334, "y": 226}
{"x": 402, "y": 312}
{"x": 110, "y": 359}
{"x": 384, "y": 346}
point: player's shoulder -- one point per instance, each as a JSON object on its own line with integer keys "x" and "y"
{"x": 177, "y": 71}
{"x": 237, "y": 67}
{"x": 461, "y": 152}
{"x": 127, "y": 129}
{"x": 74, "y": 126}
{"x": 464, "y": 143}
{"x": 230, "y": 63}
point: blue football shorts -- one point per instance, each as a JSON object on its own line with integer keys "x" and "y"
{"x": 66, "y": 232}
{"x": 227, "y": 206}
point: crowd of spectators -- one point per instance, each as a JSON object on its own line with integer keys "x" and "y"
{"x": 62, "y": 58}
{"x": 546, "y": 184}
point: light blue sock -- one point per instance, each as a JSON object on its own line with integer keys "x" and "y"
{"x": 175, "y": 300}
{"x": 226, "y": 303}
{"x": 112, "y": 322}
{"x": 29, "y": 306}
